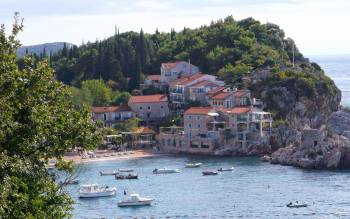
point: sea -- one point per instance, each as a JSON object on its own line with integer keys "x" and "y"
{"x": 253, "y": 190}
{"x": 336, "y": 67}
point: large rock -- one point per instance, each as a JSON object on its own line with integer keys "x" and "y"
{"x": 339, "y": 123}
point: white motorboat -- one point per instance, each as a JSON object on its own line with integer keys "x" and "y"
{"x": 125, "y": 170}
{"x": 164, "y": 170}
{"x": 93, "y": 191}
{"x": 135, "y": 200}
{"x": 107, "y": 173}
{"x": 226, "y": 169}
{"x": 193, "y": 165}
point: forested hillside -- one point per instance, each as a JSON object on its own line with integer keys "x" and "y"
{"x": 220, "y": 45}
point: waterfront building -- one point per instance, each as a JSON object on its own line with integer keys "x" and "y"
{"x": 110, "y": 115}
{"x": 149, "y": 107}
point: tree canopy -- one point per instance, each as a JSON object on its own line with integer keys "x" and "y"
{"x": 38, "y": 121}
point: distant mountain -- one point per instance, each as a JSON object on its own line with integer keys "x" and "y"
{"x": 39, "y": 48}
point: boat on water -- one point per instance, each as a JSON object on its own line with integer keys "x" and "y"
{"x": 94, "y": 191}
{"x": 135, "y": 200}
{"x": 125, "y": 170}
{"x": 193, "y": 165}
{"x": 164, "y": 170}
{"x": 296, "y": 205}
{"x": 70, "y": 182}
{"x": 210, "y": 173}
{"x": 226, "y": 169}
{"x": 127, "y": 176}
{"x": 108, "y": 173}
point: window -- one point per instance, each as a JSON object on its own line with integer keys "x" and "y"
{"x": 199, "y": 126}
{"x": 140, "y": 107}
{"x": 190, "y": 135}
{"x": 149, "y": 107}
{"x": 190, "y": 117}
{"x": 190, "y": 125}
{"x": 162, "y": 107}
{"x": 198, "y": 117}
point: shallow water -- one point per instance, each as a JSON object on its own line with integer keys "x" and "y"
{"x": 253, "y": 190}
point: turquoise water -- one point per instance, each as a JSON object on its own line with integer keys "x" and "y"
{"x": 253, "y": 190}
{"x": 338, "y": 68}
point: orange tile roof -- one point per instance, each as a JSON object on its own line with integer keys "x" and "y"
{"x": 198, "y": 110}
{"x": 216, "y": 90}
{"x": 187, "y": 79}
{"x": 241, "y": 93}
{"x": 145, "y": 130}
{"x": 170, "y": 65}
{"x": 222, "y": 95}
{"x": 153, "y": 77}
{"x": 204, "y": 83}
{"x": 237, "y": 110}
{"x": 148, "y": 98}
{"x": 110, "y": 109}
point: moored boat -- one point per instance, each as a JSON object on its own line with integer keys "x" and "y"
{"x": 108, "y": 173}
{"x": 209, "y": 173}
{"x": 135, "y": 200}
{"x": 193, "y": 165}
{"x": 164, "y": 171}
{"x": 296, "y": 205}
{"x": 94, "y": 191}
{"x": 125, "y": 170}
{"x": 69, "y": 182}
{"x": 226, "y": 169}
{"x": 128, "y": 176}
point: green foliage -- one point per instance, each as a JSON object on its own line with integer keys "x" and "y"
{"x": 129, "y": 125}
{"x": 213, "y": 47}
{"x": 38, "y": 121}
{"x": 234, "y": 74}
{"x": 347, "y": 109}
{"x": 152, "y": 90}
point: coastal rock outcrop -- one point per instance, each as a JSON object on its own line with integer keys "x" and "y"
{"x": 317, "y": 151}
{"x": 339, "y": 123}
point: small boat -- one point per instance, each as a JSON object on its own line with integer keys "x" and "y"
{"x": 226, "y": 169}
{"x": 193, "y": 165}
{"x": 135, "y": 200}
{"x": 108, "y": 173}
{"x": 94, "y": 191}
{"x": 125, "y": 170}
{"x": 163, "y": 171}
{"x": 128, "y": 176}
{"x": 296, "y": 205}
{"x": 209, "y": 173}
{"x": 265, "y": 158}
{"x": 70, "y": 182}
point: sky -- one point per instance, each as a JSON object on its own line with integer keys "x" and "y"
{"x": 319, "y": 27}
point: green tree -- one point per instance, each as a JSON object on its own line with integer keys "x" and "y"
{"x": 234, "y": 74}
{"x": 37, "y": 121}
{"x": 99, "y": 92}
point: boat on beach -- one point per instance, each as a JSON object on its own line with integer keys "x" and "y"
{"x": 108, "y": 173}
{"x": 226, "y": 169}
{"x": 94, "y": 191}
{"x": 127, "y": 176}
{"x": 135, "y": 200}
{"x": 193, "y": 165}
{"x": 210, "y": 173}
{"x": 164, "y": 171}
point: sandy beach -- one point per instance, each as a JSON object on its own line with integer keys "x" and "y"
{"x": 105, "y": 155}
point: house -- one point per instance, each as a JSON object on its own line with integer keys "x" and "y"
{"x": 152, "y": 81}
{"x": 198, "y": 91}
{"x": 179, "y": 92}
{"x": 208, "y": 130}
{"x": 150, "y": 107}
{"x": 229, "y": 98}
{"x": 110, "y": 115}
{"x": 173, "y": 70}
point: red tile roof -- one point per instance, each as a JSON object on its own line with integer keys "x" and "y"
{"x": 222, "y": 95}
{"x": 204, "y": 83}
{"x": 145, "y": 130}
{"x": 110, "y": 109}
{"x": 237, "y": 110}
{"x": 198, "y": 110}
{"x": 148, "y": 98}
{"x": 170, "y": 65}
{"x": 241, "y": 93}
{"x": 153, "y": 77}
{"x": 186, "y": 80}
{"x": 216, "y": 90}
